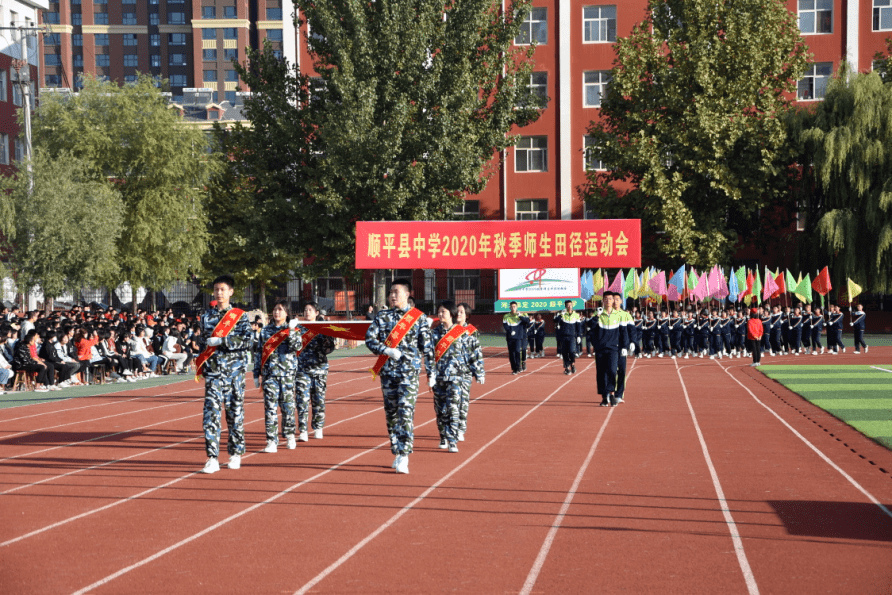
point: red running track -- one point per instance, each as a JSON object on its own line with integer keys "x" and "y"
{"x": 710, "y": 479}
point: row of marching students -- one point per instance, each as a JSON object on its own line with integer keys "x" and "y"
{"x": 798, "y": 331}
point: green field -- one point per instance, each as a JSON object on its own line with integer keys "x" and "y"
{"x": 860, "y": 395}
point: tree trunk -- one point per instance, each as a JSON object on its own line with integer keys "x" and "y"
{"x": 381, "y": 288}
{"x": 132, "y": 298}
{"x": 48, "y": 306}
{"x": 263, "y": 296}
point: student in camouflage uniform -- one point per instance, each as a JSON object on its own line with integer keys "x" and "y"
{"x": 312, "y": 378}
{"x": 448, "y": 376}
{"x": 399, "y": 377}
{"x": 472, "y": 342}
{"x": 278, "y": 376}
{"x": 224, "y": 378}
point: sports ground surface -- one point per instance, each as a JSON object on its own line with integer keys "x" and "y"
{"x": 712, "y": 478}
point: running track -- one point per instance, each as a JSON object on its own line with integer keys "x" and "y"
{"x": 710, "y": 479}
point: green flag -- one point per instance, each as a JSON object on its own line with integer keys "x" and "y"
{"x": 741, "y": 282}
{"x": 629, "y": 287}
{"x": 757, "y": 288}
{"x": 692, "y": 280}
{"x": 791, "y": 282}
{"x": 803, "y": 290}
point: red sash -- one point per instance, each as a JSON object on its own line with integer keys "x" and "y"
{"x": 471, "y": 329}
{"x": 448, "y": 339}
{"x": 272, "y": 344}
{"x": 396, "y": 335}
{"x": 305, "y": 340}
{"x": 223, "y": 328}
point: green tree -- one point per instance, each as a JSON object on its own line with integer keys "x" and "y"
{"x": 132, "y": 139}
{"x": 61, "y": 234}
{"x": 404, "y": 120}
{"x": 690, "y": 121}
{"x": 845, "y": 191}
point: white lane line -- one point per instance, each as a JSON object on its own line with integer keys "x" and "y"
{"x": 340, "y": 561}
{"x": 742, "y": 560}
{"x": 273, "y": 498}
{"x": 883, "y": 369}
{"x": 817, "y": 451}
{"x": 549, "y": 538}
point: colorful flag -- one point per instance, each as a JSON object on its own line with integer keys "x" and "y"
{"x": 597, "y": 285}
{"x": 854, "y": 290}
{"x": 678, "y": 279}
{"x": 770, "y": 286}
{"x": 741, "y": 283}
{"x": 673, "y": 295}
{"x": 692, "y": 281}
{"x": 585, "y": 290}
{"x": 701, "y": 292}
{"x": 658, "y": 284}
{"x": 617, "y": 285}
{"x": 748, "y": 294}
{"x": 757, "y": 287}
{"x": 803, "y": 289}
{"x": 791, "y": 282}
{"x": 781, "y": 284}
{"x": 734, "y": 288}
{"x": 629, "y": 286}
{"x": 821, "y": 284}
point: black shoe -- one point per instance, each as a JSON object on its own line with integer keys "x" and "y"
{"x": 605, "y": 402}
{"x": 566, "y": 370}
{"x": 523, "y": 367}
{"x": 514, "y": 373}
{"x": 572, "y": 369}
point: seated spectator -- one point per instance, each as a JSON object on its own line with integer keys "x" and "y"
{"x": 5, "y": 369}
{"x": 26, "y": 360}
{"x": 140, "y": 348}
{"x": 172, "y": 350}
{"x": 65, "y": 355}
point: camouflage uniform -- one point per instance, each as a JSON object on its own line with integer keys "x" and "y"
{"x": 312, "y": 380}
{"x": 474, "y": 369}
{"x": 399, "y": 378}
{"x": 224, "y": 382}
{"x": 278, "y": 380}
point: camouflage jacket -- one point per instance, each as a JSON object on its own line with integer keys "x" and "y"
{"x": 456, "y": 361}
{"x": 416, "y": 344}
{"x": 231, "y": 355}
{"x": 283, "y": 361}
{"x": 475, "y": 357}
{"x": 314, "y": 358}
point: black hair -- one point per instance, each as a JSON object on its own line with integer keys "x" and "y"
{"x": 512, "y": 304}
{"x": 467, "y": 308}
{"x": 225, "y": 279}
{"x": 451, "y": 307}
{"x": 404, "y": 282}
{"x": 313, "y": 305}
{"x": 285, "y": 304}
{"x": 568, "y": 302}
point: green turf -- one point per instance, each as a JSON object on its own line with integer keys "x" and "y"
{"x": 19, "y": 398}
{"x": 860, "y": 395}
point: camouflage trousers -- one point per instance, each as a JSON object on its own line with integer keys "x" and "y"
{"x": 465, "y": 404}
{"x": 311, "y": 389}
{"x": 447, "y": 402}
{"x": 400, "y": 394}
{"x": 224, "y": 393}
{"x": 278, "y": 393}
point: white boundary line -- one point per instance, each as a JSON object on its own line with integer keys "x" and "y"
{"x": 552, "y": 532}
{"x": 239, "y": 514}
{"x": 751, "y": 585}
{"x": 883, "y": 369}
{"x": 813, "y": 447}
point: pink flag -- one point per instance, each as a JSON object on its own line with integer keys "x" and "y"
{"x": 723, "y": 291}
{"x": 658, "y": 284}
{"x": 617, "y": 285}
{"x": 702, "y": 290}
{"x": 674, "y": 296}
{"x": 714, "y": 281}
{"x": 770, "y": 286}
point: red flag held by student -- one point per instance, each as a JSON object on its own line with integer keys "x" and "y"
{"x": 821, "y": 284}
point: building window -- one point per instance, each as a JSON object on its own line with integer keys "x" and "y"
{"x": 51, "y": 39}
{"x": 531, "y": 154}
{"x": 594, "y": 86}
{"x": 101, "y": 39}
{"x": 469, "y": 210}
{"x": 75, "y": 2}
{"x": 154, "y": 19}
{"x": 882, "y": 15}
{"x": 53, "y": 80}
{"x": 128, "y": 18}
{"x": 131, "y": 60}
{"x": 176, "y": 39}
{"x": 534, "y": 29}
{"x": 19, "y": 150}
{"x": 176, "y": 60}
{"x": 154, "y": 40}
{"x": 100, "y": 1}
{"x": 814, "y": 84}
{"x": 129, "y": 39}
{"x": 103, "y": 60}
{"x": 16, "y": 95}
{"x": 531, "y": 209}
{"x": 208, "y": 12}
{"x": 128, "y": 1}
{"x": 274, "y": 34}
{"x": 230, "y": 33}
{"x": 77, "y": 19}
{"x": 815, "y": 16}
{"x": 52, "y": 60}
{"x": 230, "y": 96}
{"x": 210, "y": 76}
{"x": 4, "y": 149}
{"x": 210, "y": 55}
{"x": 590, "y": 157}
{"x": 229, "y": 12}
{"x": 130, "y": 78}
{"x": 77, "y": 39}
{"x": 178, "y": 80}
{"x": 539, "y": 88}
{"x": 51, "y": 18}
{"x": 277, "y": 54}
{"x": 176, "y": 18}
{"x": 78, "y": 60}
{"x": 230, "y": 54}
{"x": 462, "y": 280}
{"x": 590, "y": 212}
{"x": 209, "y": 34}
{"x": 273, "y": 14}
{"x": 155, "y": 61}
{"x": 3, "y": 84}
{"x": 232, "y": 76}
{"x": 100, "y": 18}
{"x": 599, "y": 24}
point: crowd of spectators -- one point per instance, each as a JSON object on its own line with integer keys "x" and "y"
{"x": 90, "y": 344}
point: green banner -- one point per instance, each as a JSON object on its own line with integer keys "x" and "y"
{"x": 536, "y": 305}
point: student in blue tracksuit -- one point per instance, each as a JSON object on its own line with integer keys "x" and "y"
{"x": 795, "y": 323}
{"x": 858, "y": 324}
{"x": 649, "y": 329}
{"x": 675, "y": 333}
{"x": 570, "y": 336}
{"x": 817, "y": 325}
{"x": 834, "y": 330}
{"x": 515, "y": 325}
{"x": 611, "y": 342}
{"x": 637, "y": 333}
{"x": 806, "y": 330}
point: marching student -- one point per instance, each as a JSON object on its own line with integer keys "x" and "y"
{"x": 858, "y": 324}
{"x": 675, "y": 333}
{"x": 587, "y": 319}
{"x": 531, "y": 338}
{"x": 774, "y": 339}
{"x": 540, "y": 335}
{"x": 312, "y": 378}
{"x": 785, "y": 329}
{"x": 451, "y": 358}
{"x": 834, "y": 328}
{"x": 611, "y": 341}
{"x": 765, "y": 315}
{"x": 570, "y": 336}
{"x": 401, "y": 337}
{"x": 627, "y": 321}
{"x": 688, "y": 326}
{"x": 755, "y": 328}
{"x": 515, "y": 335}
{"x": 725, "y": 333}
{"x": 715, "y": 335}
{"x": 225, "y": 341}
{"x": 663, "y": 326}
{"x": 817, "y": 325}
{"x": 472, "y": 344}
{"x": 275, "y": 368}
{"x": 702, "y": 328}
{"x": 806, "y": 330}
{"x": 637, "y": 333}
{"x": 795, "y": 324}
{"x": 649, "y": 329}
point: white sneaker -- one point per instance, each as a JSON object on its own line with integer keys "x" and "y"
{"x": 461, "y": 436}
{"x": 65, "y": 384}
{"x": 443, "y": 444}
{"x": 686, "y": 356}
{"x": 753, "y": 365}
{"x": 303, "y": 437}
{"x": 402, "y": 465}
{"x": 396, "y": 461}
{"x": 453, "y": 447}
{"x": 317, "y": 434}
{"x": 843, "y": 349}
{"x": 235, "y": 462}
{"x": 814, "y": 353}
{"x": 661, "y": 355}
{"x": 42, "y": 389}
{"x": 292, "y": 443}
{"x": 796, "y": 353}
{"x": 865, "y": 349}
{"x": 53, "y": 387}
{"x": 711, "y": 357}
{"x": 271, "y": 447}
{"x": 822, "y": 350}
{"x": 211, "y": 466}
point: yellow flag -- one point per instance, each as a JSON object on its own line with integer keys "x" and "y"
{"x": 854, "y": 290}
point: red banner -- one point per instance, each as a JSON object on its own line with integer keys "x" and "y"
{"x": 577, "y": 243}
